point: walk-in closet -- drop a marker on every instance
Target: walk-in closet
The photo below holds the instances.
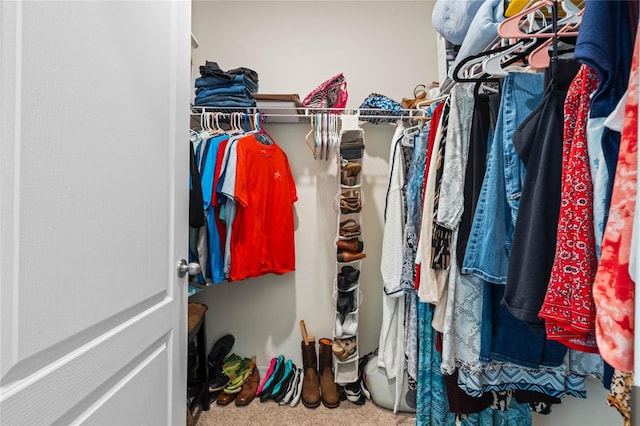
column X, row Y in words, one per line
column 393, row 58
column 392, row 212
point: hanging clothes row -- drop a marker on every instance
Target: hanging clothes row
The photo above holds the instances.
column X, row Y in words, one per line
column 248, row 194
column 520, row 284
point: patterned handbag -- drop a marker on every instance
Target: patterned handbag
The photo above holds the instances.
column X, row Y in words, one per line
column 330, row 94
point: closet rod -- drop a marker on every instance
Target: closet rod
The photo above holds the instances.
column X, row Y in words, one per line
column 308, row 112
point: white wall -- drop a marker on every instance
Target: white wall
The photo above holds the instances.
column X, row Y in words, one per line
column 592, row 411
column 383, row 47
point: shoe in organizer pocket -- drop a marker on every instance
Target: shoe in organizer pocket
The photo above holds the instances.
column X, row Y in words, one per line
column 348, row 327
column 348, row 278
column 346, row 303
column 350, row 202
column 349, row 228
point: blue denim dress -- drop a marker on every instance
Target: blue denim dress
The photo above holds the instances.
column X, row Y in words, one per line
column 487, row 254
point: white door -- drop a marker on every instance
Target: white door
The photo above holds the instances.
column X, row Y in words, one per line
column 93, row 211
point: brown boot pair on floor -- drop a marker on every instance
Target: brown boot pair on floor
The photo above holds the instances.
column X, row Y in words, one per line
column 318, row 376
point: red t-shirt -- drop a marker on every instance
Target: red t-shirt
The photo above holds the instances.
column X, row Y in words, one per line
column 262, row 239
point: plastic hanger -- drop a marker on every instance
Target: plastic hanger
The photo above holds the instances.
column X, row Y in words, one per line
column 410, row 132
column 331, row 136
column 205, row 134
column 238, row 122
column 463, row 70
column 335, row 141
column 329, row 145
column 326, row 142
column 539, row 58
column 246, row 124
column 203, row 125
column 510, row 27
column 485, row 88
column 216, row 121
column 260, row 132
column 230, row 130
column 211, row 128
column 493, row 64
column 194, row 137
column 327, row 136
column 429, row 102
column 323, row 135
column 245, row 121
column 408, row 139
column 209, row 123
column 234, row 126
column 318, row 134
column 205, row 122
column 422, row 107
column 470, row 68
column 311, row 132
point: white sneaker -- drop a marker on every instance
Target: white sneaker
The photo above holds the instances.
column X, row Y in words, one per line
column 348, row 328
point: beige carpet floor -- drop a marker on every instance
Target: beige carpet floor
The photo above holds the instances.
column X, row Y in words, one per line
column 269, row 413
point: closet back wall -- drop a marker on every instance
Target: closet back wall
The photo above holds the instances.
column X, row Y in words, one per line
column 383, row 47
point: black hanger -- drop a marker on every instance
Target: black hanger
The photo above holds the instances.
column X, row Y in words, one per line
column 520, row 56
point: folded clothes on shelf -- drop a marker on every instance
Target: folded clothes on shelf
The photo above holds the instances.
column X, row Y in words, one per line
column 228, row 101
column 225, row 89
column 234, row 89
column 214, row 82
column 213, row 69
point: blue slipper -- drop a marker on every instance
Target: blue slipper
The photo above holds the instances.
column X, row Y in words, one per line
column 277, row 389
column 275, row 377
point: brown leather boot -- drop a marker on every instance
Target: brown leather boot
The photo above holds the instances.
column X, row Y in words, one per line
column 349, row 256
column 352, row 245
column 310, row 384
column 330, row 396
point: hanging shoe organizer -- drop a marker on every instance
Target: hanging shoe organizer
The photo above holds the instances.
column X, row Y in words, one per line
column 350, row 251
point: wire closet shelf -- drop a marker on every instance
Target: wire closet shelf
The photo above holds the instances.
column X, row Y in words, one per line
column 298, row 114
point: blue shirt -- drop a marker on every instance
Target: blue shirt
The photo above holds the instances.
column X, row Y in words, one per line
column 209, row 156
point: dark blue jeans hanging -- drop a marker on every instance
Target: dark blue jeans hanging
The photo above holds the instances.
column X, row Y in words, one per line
column 508, row 339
